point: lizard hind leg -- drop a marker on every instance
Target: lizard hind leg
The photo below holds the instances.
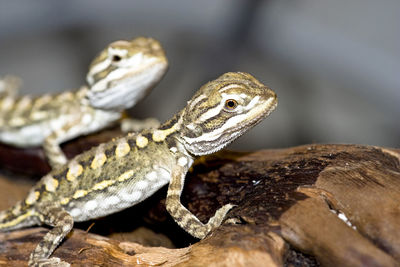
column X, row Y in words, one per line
column 52, row 215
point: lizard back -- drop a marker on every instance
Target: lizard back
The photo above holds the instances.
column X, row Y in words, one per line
column 108, row 178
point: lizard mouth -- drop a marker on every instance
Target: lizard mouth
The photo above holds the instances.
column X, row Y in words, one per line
column 234, row 133
column 269, row 107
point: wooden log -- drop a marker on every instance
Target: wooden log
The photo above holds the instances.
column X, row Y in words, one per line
column 335, row 205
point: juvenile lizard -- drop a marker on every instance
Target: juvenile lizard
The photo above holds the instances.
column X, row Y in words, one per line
column 120, row 76
column 126, row 171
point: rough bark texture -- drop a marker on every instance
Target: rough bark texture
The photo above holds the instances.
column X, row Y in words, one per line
column 330, row 205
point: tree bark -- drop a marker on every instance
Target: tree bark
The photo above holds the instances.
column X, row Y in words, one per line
column 330, row 205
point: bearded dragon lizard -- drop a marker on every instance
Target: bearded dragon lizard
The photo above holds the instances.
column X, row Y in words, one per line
column 123, row 172
column 120, row 76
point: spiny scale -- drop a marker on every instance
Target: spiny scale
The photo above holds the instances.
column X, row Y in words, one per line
column 120, row 76
column 123, row 172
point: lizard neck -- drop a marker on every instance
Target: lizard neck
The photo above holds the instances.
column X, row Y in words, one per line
column 170, row 132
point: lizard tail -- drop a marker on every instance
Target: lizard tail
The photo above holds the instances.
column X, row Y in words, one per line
column 18, row 216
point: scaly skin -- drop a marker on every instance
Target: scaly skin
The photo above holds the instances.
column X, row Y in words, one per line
column 124, row 172
column 120, row 76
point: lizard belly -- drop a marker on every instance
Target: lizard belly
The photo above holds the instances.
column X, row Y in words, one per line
column 34, row 134
column 90, row 121
column 117, row 198
column 99, row 120
column 29, row 135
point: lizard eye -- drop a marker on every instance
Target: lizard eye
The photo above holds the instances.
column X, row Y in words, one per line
column 231, row 104
column 116, row 58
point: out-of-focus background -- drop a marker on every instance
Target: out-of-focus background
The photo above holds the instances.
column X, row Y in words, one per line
column 334, row 64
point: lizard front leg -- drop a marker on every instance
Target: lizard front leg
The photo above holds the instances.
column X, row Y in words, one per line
column 52, row 149
column 187, row 220
column 53, row 215
column 51, row 144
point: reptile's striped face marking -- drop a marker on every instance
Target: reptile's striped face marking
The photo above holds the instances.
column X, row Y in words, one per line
column 224, row 109
column 140, row 62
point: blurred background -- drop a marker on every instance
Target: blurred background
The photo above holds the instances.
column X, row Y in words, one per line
column 335, row 65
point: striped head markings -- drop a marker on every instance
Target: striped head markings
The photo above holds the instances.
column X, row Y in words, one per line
column 124, row 72
column 224, row 109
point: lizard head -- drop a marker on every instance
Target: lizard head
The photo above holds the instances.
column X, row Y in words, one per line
column 222, row 110
column 124, row 73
